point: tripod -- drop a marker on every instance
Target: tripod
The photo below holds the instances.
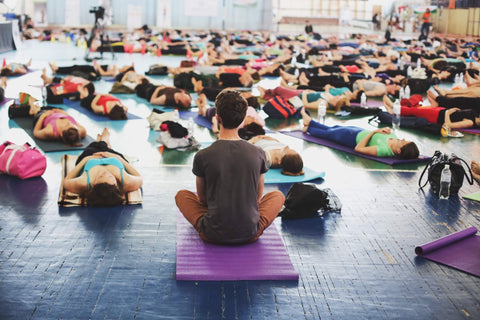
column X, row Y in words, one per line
column 104, row 41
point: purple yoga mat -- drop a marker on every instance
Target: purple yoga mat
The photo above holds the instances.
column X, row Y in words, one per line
column 472, row 131
column 460, row 250
column 324, row 142
column 370, row 104
column 5, row 100
column 265, row 259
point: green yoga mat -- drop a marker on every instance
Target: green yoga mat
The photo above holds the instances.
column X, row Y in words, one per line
column 473, row 196
column 50, row 146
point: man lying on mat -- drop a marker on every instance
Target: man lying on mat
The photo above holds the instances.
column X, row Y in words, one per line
column 102, row 174
column 48, row 123
column 228, row 207
column 377, row 143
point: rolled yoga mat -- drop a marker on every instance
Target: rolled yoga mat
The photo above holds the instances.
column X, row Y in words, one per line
column 324, row 142
column 460, row 250
column 370, row 104
column 265, row 259
column 50, row 146
column 75, row 104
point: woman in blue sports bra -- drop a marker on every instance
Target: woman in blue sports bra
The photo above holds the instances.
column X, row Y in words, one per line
column 102, row 175
column 14, row 68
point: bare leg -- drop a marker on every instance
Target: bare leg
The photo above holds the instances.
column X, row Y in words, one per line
column 262, row 91
column 3, row 83
column 104, row 136
column 202, row 105
column 306, row 119
column 388, row 104
column 46, row 79
column 432, row 98
column 476, row 170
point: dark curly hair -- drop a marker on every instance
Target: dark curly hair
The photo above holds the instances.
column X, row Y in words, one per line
column 231, row 107
column 117, row 113
column 70, row 136
column 104, row 195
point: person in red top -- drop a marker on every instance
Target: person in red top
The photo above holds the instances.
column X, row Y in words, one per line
column 425, row 29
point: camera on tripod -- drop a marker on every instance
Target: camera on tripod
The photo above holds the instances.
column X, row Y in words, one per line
column 98, row 11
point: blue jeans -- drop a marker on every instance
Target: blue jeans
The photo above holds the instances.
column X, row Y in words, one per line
column 425, row 29
column 344, row 135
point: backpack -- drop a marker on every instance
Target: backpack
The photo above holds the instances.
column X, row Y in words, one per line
column 157, row 70
column 280, row 108
column 435, row 167
column 305, row 200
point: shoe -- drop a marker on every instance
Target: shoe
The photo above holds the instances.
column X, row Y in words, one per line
column 447, row 132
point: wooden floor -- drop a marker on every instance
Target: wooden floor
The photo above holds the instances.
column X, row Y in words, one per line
column 119, row 263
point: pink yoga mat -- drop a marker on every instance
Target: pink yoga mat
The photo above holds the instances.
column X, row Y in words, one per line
column 370, row 104
column 265, row 259
column 460, row 250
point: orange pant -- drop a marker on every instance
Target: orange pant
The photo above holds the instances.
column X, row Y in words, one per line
column 193, row 210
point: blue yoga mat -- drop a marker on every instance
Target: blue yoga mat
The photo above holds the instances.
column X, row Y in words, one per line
column 324, row 142
column 276, row 176
column 92, row 115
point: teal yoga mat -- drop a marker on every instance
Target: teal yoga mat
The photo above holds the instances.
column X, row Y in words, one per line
column 50, row 146
column 276, row 176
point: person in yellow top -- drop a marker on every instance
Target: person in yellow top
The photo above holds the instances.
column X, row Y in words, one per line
column 425, row 29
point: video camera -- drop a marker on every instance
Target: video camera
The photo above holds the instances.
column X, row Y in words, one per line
column 98, row 11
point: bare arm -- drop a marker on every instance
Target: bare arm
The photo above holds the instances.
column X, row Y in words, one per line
column 261, row 182
column 201, row 190
column 362, row 147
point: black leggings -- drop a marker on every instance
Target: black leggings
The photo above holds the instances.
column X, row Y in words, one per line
column 97, row 146
column 459, row 102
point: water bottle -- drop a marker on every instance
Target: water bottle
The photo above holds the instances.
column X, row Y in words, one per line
column 407, row 92
column 419, row 63
column 297, row 72
column 456, row 80
column 401, row 93
column 176, row 115
column 363, row 100
column 294, row 60
column 445, row 180
column 44, row 96
column 190, row 126
column 322, row 111
column 396, row 114
column 409, row 72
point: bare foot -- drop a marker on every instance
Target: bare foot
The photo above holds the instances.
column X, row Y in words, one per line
column 306, row 119
column 303, row 80
column 53, row 67
column 202, row 104
column 3, row 82
column 262, row 91
column 475, row 170
column 105, row 136
column 388, row 104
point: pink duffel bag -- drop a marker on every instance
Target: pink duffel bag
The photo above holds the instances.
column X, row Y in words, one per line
column 21, row 161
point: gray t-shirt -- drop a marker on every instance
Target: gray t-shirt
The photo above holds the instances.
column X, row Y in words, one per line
column 232, row 171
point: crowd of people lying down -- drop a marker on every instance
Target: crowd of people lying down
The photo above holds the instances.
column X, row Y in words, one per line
column 223, row 69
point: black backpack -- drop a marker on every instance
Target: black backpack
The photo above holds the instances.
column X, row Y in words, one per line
column 157, row 70
column 305, row 200
column 435, row 167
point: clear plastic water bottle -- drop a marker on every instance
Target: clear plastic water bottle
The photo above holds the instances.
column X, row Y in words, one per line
column 409, row 72
column 396, row 114
column 322, row 111
column 363, row 100
column 401, row 93
column 407, row 92
column 456, row 79
column 176, row 115
column 419, row 63
column 44, row 96
column 445, row 180
column 297, row 72
column 294, row 60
